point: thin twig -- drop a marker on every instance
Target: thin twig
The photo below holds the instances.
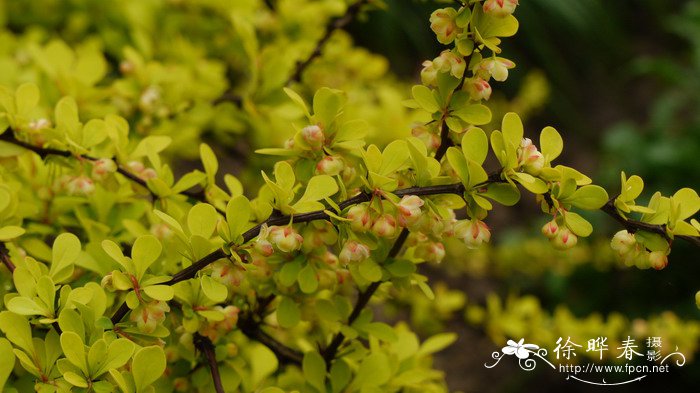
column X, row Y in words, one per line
column 333, row 25
column 205, row 346
column 5, row 257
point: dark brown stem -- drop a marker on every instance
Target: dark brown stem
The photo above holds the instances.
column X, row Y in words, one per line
column 333, row 25
column 205, row 346
column 44, row 152
column 5, row 257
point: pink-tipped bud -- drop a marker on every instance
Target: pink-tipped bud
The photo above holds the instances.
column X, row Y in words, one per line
column 550, row 229
column 384, row 226
column 479, row 89
column 443, row 23
column 330, row 165
column 103, row 167
column 409, row 210
column 500, row 8
column 473, row 232
column 450, row 62
column 329, row 258
column 623, row 242
column 530, row 158
column 287, row 239
column 497, row 67
column 361, row 219
column 658, row 259
column 353, row 251
column 564, row 240
column 430, row 139
column 264, row 247
column 81, row 185
column 313, row 136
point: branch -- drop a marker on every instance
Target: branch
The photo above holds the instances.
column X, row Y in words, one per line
column 333, row 25
column 634, row 225
column 205, row 346
column 44, row 152
column 5, row 257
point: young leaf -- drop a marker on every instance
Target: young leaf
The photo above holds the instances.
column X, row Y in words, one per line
column 475, row 145
column 288, row 313
column 578, row 224
column 145, row 251
column 314, row 368
column 551, row 143
column 148, row 365
column 74, row 349
column 425, row 98
column 201, row 220
column 589, row 197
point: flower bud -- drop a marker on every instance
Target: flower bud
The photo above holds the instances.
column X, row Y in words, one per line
column 313, row 136
column 430, row 139
column 564, row 240
column 106, row 282
column 148, row 316
column 430, row 251
column 497, row 67
column 264, row 247
column 353, row 251
column 149, row 98
column 473, row 232
column 409, row 210
column 500, row 8
column 450, row 62
column 658, row 259
column 428, row 75
column 329, row 258
column 227, row 274
column 623, row 242
column 39, row 124
column 551, row 229
column 361, row 220
column 285, row 238
column 529, row 157
column 103, row 167
column 81, row 185
column 443, row 23
column 479, row 89
column 330, row 165
column 384, row 226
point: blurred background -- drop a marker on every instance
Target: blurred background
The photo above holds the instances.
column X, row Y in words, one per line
column 620, row 80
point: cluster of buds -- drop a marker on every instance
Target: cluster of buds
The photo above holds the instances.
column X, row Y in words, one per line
column 561, row 237
column 500, row 8
column 478, row 89
column 353, row 251
column 443, row 22
column 447, row 62
column 330, row 165
column 140, row 170
column 214, row 329
column 313, row 136
column 531, row 160
column 148, row 315
column 472, row 232
column 495, row 67
column 102, row 168
column 286, row 238
column 632, row 253
column 408, row 214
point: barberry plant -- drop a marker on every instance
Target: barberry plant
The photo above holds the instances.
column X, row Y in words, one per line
column 121, row 276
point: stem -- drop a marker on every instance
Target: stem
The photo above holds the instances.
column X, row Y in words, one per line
column 205, row 346
column 333, row 25
column 44, row 152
